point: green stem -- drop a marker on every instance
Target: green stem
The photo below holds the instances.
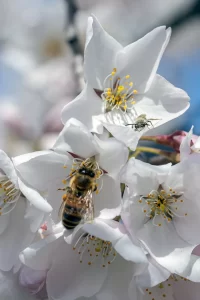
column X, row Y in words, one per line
column 171, row 156
column 148, row 138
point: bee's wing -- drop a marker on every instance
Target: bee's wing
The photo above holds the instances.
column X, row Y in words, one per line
column 61, row 210
column 88, row 214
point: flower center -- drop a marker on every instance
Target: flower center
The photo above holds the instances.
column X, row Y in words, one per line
column 9, row 196
column 118, row 92
column 159, row 205
column 93, row 249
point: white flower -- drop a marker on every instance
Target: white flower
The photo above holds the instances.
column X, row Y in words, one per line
column 99, row 261
column 123, row 92
column 50, row 170
column 161, row 209
column 22, row 211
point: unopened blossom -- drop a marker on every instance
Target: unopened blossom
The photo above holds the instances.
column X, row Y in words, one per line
column 161, row 209
column 172, row 140
column 123, row 93
column 91, row 264
column 22, row 211
column 50, row 171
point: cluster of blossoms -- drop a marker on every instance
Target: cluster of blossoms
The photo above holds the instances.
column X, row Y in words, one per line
column 88, row 220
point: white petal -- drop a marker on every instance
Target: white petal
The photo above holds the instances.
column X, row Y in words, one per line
column 54, row 198
column 187, row 225
column 161, row 291
column 20, row 159
column 175, row 178
column 192, row 271
column 8, row 168
column 165, row 246
column 75, row 279
column 116, row 285
column 10, row 288
column 152, row 275
column 39, row 256
column 186, row 290
column 16, row 237
column 100, row 51
column 115, row 232
column 185, row 149
column 77, row 139
column 35, row 216
column 32, row 280
column 107, row 204
column 140, row 60
column 129, row 251
column 34, row 197
column 196, row 146
column 132, row 214
column 107, row 230
column 163, row 101
column 44, row 168
column 83, row 108
column 143, row 177
column 124, row 134
column 112, row 155
column 4, row 221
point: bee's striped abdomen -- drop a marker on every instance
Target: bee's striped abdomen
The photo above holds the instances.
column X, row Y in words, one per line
column 71, row 216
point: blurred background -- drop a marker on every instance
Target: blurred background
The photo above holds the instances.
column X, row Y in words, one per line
column 41, row 56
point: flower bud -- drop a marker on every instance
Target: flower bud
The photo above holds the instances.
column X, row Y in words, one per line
column 172, row 140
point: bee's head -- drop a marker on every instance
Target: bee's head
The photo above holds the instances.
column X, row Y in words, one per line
column 84, row 177
column 87, row 172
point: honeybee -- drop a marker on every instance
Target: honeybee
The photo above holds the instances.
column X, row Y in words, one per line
column 142, row 122
column 78, row 200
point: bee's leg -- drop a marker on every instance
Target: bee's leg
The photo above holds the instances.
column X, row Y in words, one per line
column 94, row 187
column 149, row 122
column 132, row 125
column 68, row 189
